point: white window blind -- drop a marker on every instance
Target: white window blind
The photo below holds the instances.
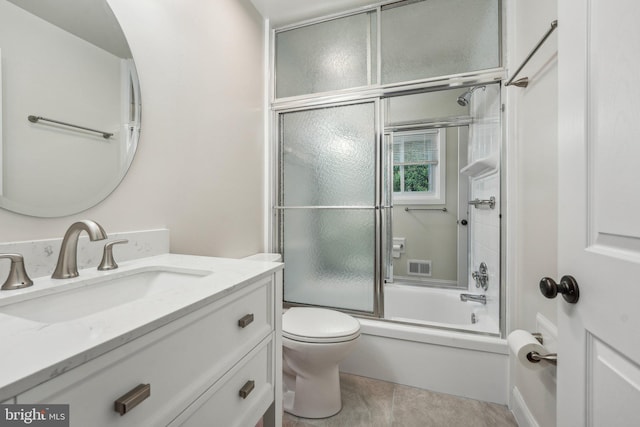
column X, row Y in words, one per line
column 415, row 149
column 419, row 166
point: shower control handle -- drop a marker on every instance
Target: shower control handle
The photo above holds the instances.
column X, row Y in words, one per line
column 568, row 287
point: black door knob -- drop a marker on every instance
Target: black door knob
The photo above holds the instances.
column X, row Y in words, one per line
column 568, row 287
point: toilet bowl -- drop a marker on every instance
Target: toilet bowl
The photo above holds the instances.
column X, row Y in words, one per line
column 315, row 341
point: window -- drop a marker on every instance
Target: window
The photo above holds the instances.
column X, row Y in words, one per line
column 412, row 35
column 403, row 41
column 326, row 56
column 419, row 167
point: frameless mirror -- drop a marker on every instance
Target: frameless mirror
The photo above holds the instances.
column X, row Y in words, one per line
column 70, row 104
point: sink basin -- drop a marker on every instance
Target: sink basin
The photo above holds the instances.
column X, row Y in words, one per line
column 86, row 297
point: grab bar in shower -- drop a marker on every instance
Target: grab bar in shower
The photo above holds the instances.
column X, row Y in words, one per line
column 524, row 82
column 407, row 209
column 36, row 119
column 477, row 203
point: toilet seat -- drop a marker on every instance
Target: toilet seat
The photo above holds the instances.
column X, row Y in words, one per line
column 319, row 325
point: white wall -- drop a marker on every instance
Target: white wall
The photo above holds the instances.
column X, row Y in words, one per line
column 533, row 140
column 199, row 166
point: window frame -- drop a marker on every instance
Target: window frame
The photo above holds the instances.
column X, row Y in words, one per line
column 438, row 195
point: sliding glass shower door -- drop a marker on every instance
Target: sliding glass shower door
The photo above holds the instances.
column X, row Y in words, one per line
column 327, row 205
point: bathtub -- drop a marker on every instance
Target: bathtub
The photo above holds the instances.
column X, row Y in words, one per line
column 437, row 307
column 431, row 355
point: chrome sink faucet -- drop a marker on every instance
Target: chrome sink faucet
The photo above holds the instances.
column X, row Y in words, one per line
column 67, row 266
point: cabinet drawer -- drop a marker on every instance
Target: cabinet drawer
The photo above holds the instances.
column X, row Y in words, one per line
column 223, row 406
column 179, row 360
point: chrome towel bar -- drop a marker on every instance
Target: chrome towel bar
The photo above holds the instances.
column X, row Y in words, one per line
column 407, row 209
column 36, row 119
column 524, row 82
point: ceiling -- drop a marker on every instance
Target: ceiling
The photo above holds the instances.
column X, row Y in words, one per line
column 86, row 20
column 91, row 20
column 282, row 12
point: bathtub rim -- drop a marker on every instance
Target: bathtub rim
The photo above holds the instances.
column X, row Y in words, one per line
column 451, row 296
column 447, row 337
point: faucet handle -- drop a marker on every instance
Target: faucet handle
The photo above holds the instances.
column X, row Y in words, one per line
column 18, row 277
column 108, row 263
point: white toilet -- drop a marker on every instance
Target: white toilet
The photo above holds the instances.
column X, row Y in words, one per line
column 315, row 341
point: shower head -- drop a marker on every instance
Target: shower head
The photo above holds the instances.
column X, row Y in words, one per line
column 463, row 100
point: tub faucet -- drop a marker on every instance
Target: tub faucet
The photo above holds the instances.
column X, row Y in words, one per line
column 481, row 276
column 482, row 299
column 67, row 266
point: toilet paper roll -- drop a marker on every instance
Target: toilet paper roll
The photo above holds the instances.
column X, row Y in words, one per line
column 397, row 247
column 522, row 343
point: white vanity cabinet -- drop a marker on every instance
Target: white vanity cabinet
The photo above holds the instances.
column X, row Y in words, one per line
column 197, row 367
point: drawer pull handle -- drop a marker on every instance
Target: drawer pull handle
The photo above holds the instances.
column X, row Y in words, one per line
column 245, row 321
column 130, row 400
column 247, row 388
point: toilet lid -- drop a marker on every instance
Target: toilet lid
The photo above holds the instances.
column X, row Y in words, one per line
column 309, row 324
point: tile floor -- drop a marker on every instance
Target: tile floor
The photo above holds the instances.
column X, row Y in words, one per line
column 372, row 403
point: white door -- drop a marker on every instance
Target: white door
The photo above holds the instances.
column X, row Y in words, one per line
column 599, row 214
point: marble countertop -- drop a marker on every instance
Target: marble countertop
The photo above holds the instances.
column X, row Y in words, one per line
column 33, row 351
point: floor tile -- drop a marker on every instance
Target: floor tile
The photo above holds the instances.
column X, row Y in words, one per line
column 423, row 408
column 372, row 403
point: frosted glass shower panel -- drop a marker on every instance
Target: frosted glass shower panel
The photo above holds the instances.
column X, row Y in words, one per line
column 433, row 38
column 326, row 56
column 328, row 156
column 329, row 255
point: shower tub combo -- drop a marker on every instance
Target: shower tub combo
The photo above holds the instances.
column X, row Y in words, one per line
column 426, row 145
column 457, row 358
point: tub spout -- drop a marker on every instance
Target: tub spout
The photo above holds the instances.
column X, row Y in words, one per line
column 482, row 299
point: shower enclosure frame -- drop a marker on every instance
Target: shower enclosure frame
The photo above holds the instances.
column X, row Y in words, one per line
column 383, row 211
column 363, row 94
column 378, row 207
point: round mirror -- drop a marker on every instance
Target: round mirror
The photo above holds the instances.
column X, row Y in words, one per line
column 70, row 104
